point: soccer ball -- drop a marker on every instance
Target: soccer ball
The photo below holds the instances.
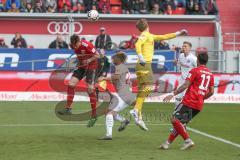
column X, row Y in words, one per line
column 93, row 15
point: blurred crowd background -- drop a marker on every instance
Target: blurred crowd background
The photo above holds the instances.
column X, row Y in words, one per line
column 156, row 7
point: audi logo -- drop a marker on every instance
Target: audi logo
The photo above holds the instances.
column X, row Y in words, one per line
column 64, row 27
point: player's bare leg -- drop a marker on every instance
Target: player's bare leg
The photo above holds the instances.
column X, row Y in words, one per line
column 70, row 95
column 93, row 102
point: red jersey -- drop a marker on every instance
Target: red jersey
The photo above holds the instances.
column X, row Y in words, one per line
column 85, row 52
column 201, row 80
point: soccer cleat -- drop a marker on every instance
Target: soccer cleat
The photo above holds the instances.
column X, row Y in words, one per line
column 91, row 122
column 165, row 146
column 65, row 111
column 134, row 113
column 123, row 125
column 187, row 144
column 106, row 138
column 142, row 125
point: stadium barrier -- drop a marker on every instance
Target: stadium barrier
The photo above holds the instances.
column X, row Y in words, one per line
column 34, row 86
column 52, row 59
column 25, row 75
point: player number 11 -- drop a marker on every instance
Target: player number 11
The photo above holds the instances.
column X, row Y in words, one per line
column 204, row 78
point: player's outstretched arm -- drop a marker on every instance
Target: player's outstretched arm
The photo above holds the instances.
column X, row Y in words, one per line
column 209, row 93
column 182, row 88
column 170, row 35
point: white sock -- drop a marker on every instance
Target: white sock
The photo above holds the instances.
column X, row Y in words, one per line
column 109, row 124
column 119, row 118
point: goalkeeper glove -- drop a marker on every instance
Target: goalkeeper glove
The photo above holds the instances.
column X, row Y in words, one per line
column 141, row 59
column 182, row 32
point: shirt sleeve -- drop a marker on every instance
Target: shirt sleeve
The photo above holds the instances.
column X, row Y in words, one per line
column 141, row 40
column 164, row 37
column 91, row 48
column 191, row 76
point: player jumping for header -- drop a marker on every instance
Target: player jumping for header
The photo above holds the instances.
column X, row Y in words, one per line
column 145, row 51
column 87, row 67
column 200, row 86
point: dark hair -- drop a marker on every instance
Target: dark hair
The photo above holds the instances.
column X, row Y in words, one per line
column 74, row 39
column 188, row 43
column 142, row 25
column 202, row 57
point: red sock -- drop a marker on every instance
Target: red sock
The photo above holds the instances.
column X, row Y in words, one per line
column 173, row 135
column 70, row 96
column 93, row 102
column 178, row 126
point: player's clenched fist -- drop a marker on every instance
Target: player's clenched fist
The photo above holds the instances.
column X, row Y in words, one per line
column 182, row 32
column 168, row 98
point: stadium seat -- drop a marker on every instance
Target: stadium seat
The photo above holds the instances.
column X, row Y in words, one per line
column 116, row 10
column 179, row 11
column 115, row 2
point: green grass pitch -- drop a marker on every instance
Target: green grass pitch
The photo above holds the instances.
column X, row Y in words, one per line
column 31, row 131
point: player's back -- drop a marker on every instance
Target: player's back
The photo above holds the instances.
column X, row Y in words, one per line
column 148, row 45
column 85, row 51
column 122, row 85
column 201, row 79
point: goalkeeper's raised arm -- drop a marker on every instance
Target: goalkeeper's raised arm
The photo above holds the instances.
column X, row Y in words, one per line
column 145, row 43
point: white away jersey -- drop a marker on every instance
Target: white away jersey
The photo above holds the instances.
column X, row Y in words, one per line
column 186, row 64
column 122, row 84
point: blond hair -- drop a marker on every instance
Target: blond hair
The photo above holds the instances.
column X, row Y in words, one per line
column 121, row 56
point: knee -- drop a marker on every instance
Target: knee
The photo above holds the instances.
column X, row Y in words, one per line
column 178, row 99
column 173, row 120
column 148, row 88
column 111, row 113
column 72, row 84
column 90, row 89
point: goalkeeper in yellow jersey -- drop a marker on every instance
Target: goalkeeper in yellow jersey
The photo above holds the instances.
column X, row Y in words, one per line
column 145, row 50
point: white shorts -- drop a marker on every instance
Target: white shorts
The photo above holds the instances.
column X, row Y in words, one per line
column 180, row 95
column 119, row 103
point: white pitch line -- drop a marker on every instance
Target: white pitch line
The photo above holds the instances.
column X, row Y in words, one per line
column 62, row 124
column 152, row 124
column 214, row 137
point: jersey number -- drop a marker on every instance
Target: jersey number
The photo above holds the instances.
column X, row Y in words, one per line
column 204, row 84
